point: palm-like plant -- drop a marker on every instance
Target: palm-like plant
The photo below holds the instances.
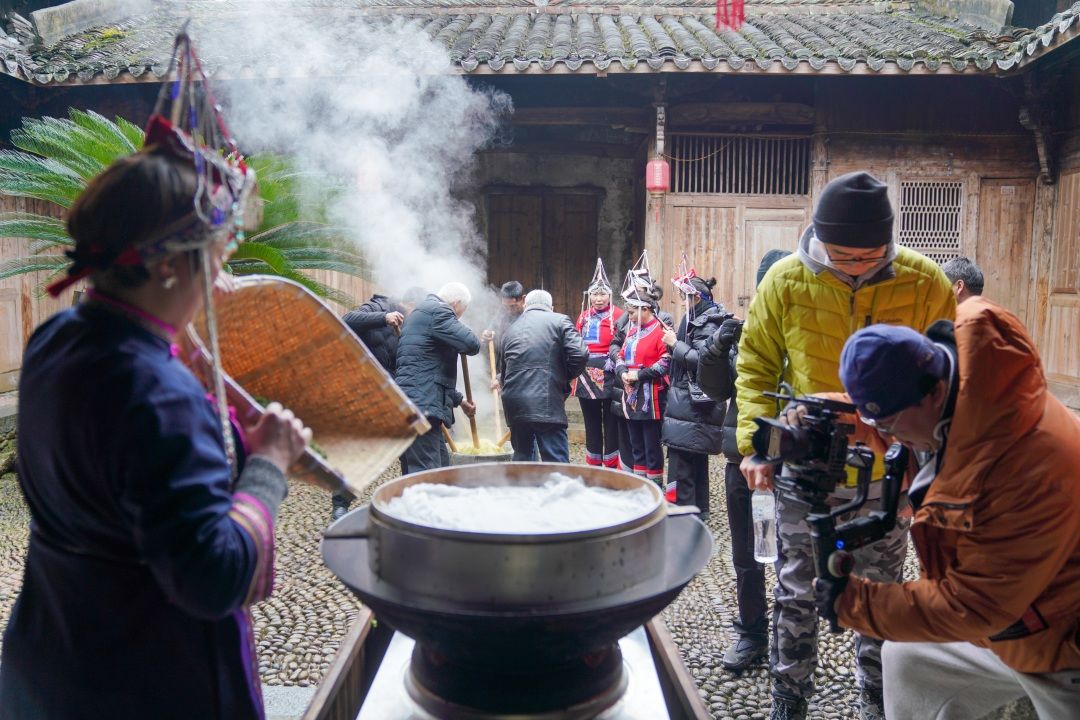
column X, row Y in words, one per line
column 56, row 157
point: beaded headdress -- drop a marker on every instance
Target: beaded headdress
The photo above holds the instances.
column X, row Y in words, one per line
column 637, row 288
column 186, row 124
column 684, row 275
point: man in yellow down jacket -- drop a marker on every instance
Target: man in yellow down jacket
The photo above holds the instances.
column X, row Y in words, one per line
column 996, row 613
column 848, row 273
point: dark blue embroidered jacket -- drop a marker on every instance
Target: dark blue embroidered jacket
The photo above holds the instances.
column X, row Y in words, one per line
column 141, row 561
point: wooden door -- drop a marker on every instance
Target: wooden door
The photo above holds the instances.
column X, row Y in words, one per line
column 545, row 238
column 708, row 236
column 725, row 237
column 1003, row 250
column 569, row 248
column 514, row 239
column 1059, row 295
column 764, row 229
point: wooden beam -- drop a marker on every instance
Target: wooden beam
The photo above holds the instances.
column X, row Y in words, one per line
column 339, row 694
column 600, row 150
column 671, row 669
column 610, row 116
column 757, row 113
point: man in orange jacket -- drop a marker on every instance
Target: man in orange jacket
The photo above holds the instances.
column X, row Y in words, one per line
column 996, row 613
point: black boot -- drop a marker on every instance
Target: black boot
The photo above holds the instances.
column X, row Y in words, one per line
column 339, row 506
column 786, row 708
column 744, row 652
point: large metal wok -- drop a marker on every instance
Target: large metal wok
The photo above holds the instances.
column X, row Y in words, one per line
column 515, row 601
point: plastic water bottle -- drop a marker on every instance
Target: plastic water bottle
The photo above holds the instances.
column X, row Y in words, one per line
column 763, row 511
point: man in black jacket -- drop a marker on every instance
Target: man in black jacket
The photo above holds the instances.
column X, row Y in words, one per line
column 427, row 362
column 378, row 324
column 541, row 353
column 512, row 304
column 716, row 376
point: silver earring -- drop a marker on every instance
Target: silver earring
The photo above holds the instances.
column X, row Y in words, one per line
column 169, row 282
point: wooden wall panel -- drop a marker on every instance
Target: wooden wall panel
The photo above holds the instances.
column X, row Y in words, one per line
column 1060, row 345
column 1061, row 354
column 24, row 306
column 1065, row 271
column 358, row 288
column 11, row 342
column 708, row 237
column 1003, row 246
column 765, row 230
column 725, row 236
column 1068, row 145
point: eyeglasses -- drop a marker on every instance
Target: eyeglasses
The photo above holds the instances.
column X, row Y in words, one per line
column 857, row 261
column 886, row 428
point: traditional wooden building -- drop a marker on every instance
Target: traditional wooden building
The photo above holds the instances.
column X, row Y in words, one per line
column 969, row 111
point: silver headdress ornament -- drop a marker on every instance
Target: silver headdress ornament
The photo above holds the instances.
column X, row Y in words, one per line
column 599, row 282
column 598, row 285
column 638, row 286
column 188, row 124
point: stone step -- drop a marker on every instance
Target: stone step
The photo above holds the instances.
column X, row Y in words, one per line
column 9, row 403
column 286, row 703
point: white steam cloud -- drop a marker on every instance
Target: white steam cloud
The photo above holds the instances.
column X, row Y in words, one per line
column 375, row 107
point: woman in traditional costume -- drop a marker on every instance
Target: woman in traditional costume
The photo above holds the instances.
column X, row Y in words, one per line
column 642, row 369
column 638, row 285
column 597, row 327
column 152, row 529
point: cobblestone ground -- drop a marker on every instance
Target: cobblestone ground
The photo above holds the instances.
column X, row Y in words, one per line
column 700, row 620
column 301, row 627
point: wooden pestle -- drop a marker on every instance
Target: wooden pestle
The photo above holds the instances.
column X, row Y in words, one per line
column 469, row 397
column 495, row 391
column 449, row 439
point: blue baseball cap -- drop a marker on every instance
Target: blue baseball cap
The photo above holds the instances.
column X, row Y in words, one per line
column 886, row 368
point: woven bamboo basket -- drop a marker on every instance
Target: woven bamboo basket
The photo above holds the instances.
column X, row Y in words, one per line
column 280, row 342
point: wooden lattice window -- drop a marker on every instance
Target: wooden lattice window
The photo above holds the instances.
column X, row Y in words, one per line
column 739, row 164
column 930, row 217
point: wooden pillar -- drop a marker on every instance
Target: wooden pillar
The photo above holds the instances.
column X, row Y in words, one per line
column 655, row 220
column 819, row 150
column 1042, row 251
column 654, row 216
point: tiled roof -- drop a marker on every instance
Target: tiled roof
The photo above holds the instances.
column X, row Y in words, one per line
column 485, row 36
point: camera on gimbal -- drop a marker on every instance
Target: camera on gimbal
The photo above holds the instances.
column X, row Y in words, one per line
column 817, row 455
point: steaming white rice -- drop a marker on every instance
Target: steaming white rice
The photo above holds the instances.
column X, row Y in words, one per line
column 562, row 504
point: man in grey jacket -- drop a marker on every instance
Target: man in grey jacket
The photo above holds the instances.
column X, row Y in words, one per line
column 541, row 353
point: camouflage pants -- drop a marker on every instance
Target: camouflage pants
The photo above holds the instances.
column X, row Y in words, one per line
column 795, row 621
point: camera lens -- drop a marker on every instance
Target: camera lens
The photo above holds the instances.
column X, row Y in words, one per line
column 776, row 441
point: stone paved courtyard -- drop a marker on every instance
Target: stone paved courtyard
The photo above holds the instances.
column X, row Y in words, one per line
column 301, row 627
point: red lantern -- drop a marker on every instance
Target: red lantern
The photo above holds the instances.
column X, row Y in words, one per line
column 730, row 14
column 658, row 176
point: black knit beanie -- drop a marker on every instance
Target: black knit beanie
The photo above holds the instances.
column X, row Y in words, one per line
column 854, row 211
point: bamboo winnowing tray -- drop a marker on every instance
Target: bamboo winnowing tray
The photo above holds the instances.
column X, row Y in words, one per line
column 280, row 342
